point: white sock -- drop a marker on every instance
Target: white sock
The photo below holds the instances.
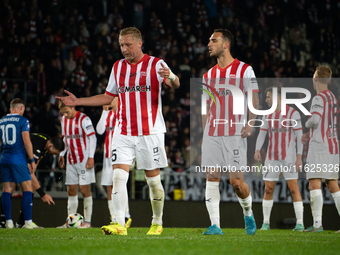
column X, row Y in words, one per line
column 110, row 205
column 212, row 202
column 10, row 222
column 316, row 203
column 267, row 206
column 127, row 211
column 298, row 208
column 28, row 222
column 246, row 205
column 88, row 202
column 157, row 198
column 72, row 204
column 119, row 197
column 336, row 197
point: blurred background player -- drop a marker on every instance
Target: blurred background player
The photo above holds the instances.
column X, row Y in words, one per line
column 15, row 143
column 226, row 144
column 42, row 145
column 282, row 150
column 80, row 144
column 323, row 153
column 139, row 134
column 107, row 124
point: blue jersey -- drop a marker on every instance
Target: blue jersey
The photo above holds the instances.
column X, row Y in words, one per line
column 12, row 146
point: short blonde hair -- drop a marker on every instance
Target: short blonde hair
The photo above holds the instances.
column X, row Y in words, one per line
column 61, row 105
column 133, row 31
column 15, row 103
column 324, row 74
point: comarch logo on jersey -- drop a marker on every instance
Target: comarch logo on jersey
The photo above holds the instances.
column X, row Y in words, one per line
column 239, row 104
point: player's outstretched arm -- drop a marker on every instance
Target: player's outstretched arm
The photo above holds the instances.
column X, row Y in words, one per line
column 36, row 187
column 47, row 199
column 98, row 100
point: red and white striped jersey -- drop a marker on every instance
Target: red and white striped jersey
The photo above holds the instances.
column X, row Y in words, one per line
column 237, row 74
column 281, row 129
column 107, row 125
column 324, row 137
column 76, row 132
column 139, row 89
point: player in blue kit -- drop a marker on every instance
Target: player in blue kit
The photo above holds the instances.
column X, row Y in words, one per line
column 15, row 143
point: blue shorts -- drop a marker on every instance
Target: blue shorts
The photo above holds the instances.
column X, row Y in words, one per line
column 17, row 173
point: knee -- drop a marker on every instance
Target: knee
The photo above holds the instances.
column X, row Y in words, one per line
column 85, row 191
column 236, row 184
column 268, row 190
column 153, row 181
column 294, row 190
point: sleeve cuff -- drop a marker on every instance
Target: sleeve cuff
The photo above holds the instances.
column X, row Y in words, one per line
column 316, row 113
column 253, row 91
column 114, row 95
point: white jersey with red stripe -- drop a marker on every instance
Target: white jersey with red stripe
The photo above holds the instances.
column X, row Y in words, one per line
column 280, row 128
column 76, row 132
column 139, row 89
column 109, row 130
column 237, row 74
column 324, row 137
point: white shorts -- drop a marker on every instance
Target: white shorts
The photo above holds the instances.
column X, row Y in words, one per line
column 78, row 174
column 322, row 166
column 107, row 172
column 227, row 152
column 148, row 150
column 273, row 168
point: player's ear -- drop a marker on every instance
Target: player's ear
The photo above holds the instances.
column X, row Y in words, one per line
column 226, row 45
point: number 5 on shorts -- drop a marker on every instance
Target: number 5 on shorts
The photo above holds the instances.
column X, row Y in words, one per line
column 114, row 155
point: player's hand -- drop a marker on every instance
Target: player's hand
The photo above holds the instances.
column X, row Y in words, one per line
column 257, row 155
column 305, row 138
column 298, row 163
column 61, row 162
column 70, row 100
column 246, row 131
column 33, row 167
column 90, row 163
column 164, row 72
column 48, row 199
column 106, row 107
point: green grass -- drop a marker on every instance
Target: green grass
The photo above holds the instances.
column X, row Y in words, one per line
column 172, row 241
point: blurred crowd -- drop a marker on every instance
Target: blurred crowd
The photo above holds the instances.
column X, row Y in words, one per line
column 47, row 46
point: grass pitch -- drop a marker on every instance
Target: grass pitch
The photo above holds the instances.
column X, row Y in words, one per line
column 172, row 241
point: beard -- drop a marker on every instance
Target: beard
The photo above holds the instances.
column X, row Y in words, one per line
column 217, row 53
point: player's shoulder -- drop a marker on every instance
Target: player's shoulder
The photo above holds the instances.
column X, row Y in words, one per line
column 293, row 112
column 246, row 67
column 83, row 115
column 156, row 59
column 318, row 98
column 208, row 73
column 22, row 119
column 40, row 136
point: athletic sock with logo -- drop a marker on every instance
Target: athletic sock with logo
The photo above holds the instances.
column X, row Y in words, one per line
column 157, row 198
